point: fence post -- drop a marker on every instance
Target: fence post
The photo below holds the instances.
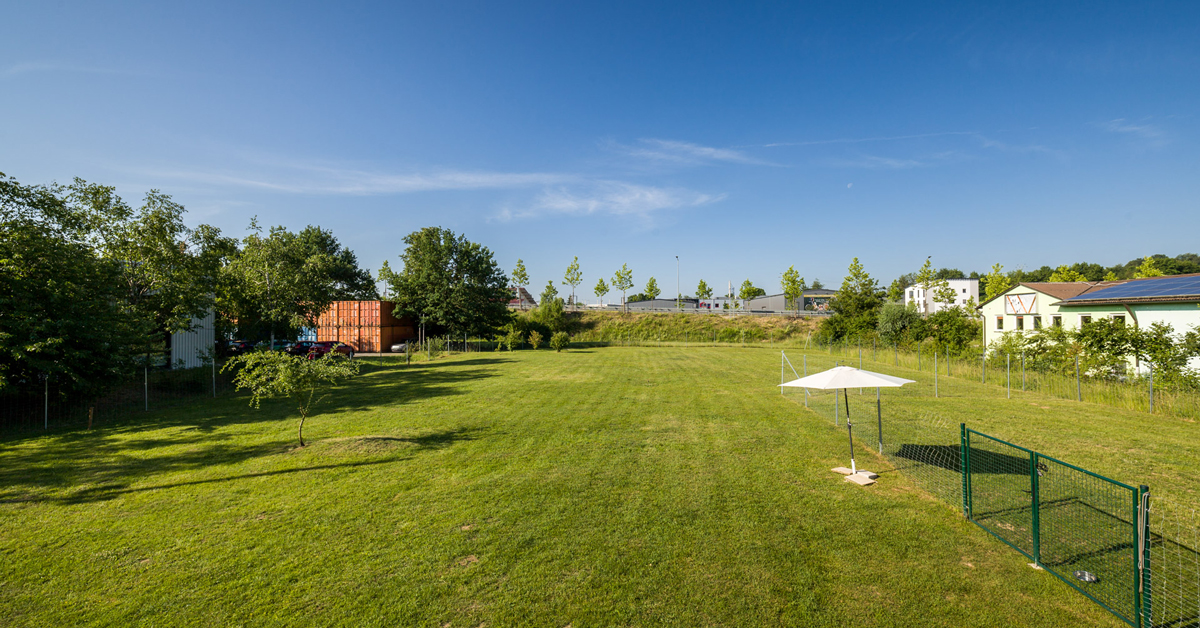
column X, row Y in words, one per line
column 146, row 385
column 1008, row 372
column 918, row 356
column 1022, row 371
column 879, row 417
column 1143, row 600
column 935, row 374
column 214, row 374
column 983, row 366
column 806, row 375
column 1034, row 491
column 46, row 403
column 1079, row 390
column 781, row 359
column 964, row 462
column 1151, row 390
column 874, row 349
column 895, row 354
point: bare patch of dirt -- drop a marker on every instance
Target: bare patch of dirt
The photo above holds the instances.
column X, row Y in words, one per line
column 467, row 560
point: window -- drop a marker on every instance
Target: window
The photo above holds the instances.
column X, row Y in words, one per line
column 1020, row 322
column 964, row 291
column 1000, row 322
column 1037, row 322
column 910, row 294
column 1084, row 319
column 1056, row 321
column 1120, row 318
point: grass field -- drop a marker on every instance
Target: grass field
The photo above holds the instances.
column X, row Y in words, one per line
column 614, row 486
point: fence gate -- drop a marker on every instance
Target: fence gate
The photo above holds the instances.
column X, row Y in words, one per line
column 1086, row 529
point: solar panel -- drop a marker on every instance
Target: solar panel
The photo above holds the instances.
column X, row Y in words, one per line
column 1157, row 287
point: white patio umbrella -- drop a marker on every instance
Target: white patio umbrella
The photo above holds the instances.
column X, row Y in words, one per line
column 848, row 377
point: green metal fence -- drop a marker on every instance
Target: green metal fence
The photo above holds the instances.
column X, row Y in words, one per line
column 1088, row 530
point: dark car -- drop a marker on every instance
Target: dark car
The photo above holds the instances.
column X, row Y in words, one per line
column 319, row 348
column 280, row 345
column 238, row 347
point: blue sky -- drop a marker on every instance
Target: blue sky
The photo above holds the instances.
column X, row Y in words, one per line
column 742, row 137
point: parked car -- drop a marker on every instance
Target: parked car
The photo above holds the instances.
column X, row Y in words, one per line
column 280, row 345
column 400, row 347
column 238, row 347
column 313, row 350
column 301, row 348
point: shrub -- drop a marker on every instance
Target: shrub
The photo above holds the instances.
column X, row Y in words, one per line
column 559, row 341
column 434, row 347
column 535, row 339
column 514, row 339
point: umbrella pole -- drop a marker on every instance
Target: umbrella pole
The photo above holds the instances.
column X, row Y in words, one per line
column 850, row 432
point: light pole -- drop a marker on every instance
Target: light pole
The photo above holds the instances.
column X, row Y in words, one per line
column 678, row 294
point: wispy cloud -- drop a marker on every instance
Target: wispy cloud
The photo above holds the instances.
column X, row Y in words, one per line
column 1148, row 134
column 875, row 162
column 339, row 181
column 685, row 153
column 617, row 198
column 861, row 140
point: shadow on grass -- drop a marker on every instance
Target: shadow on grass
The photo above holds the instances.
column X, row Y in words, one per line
column 983, row 462
column 109, row 472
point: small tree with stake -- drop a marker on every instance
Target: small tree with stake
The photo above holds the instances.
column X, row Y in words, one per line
column 274, row 374
column 623, row 281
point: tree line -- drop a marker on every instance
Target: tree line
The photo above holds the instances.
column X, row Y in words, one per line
column 93, row 287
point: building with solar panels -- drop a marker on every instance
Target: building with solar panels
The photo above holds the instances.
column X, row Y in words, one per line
column 1173, row 300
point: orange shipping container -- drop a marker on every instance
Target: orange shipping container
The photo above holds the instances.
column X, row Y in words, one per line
column 368, row 326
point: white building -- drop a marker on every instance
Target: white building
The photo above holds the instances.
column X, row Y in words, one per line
column 192, row 348
column 965, row 291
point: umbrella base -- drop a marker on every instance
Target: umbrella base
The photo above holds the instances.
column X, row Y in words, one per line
column 842, row 470
column 860, row 479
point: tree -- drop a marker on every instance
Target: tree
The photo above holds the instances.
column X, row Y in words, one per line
column 856, row 304
column 62, row 308
column 895, row 292
column 535, row 339
column 559, row 341
column 601, row 289
column 451, row 282
column 273, row 374
column 549, row 293
column 1110, row 276
column 651, row 290
column 793, row 287
column 817, row 285
column 1148, row 268
column 623, row 281
column 1065, row 273
column 388, row 278
column 278, row 282
column 949, row 273
column 943, row 293
column 348, row 281
column 926, row 279
column 749, row 291
column 160, row 276
column 573, row 278
column 520, row 278
column 995, row 283
column 898, row 322
column 703, row 291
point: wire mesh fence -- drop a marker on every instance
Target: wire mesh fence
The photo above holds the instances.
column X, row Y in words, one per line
column 1173, row 558
column 1139, row 558
column 52, row 403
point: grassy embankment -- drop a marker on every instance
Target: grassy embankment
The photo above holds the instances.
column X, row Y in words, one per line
column 615, row 486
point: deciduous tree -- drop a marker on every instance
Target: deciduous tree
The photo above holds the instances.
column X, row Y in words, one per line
column 651, row 290
column 793, row 287
column 623, row 280
column 573, row 278
column 451, row 282
column 520, row 278
column 272, row 374
column 703, row 291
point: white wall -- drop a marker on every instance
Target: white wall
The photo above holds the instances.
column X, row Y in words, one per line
column 189, row 347
column 964, row 291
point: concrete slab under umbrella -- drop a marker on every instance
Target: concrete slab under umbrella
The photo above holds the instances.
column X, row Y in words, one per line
column 845, row 377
